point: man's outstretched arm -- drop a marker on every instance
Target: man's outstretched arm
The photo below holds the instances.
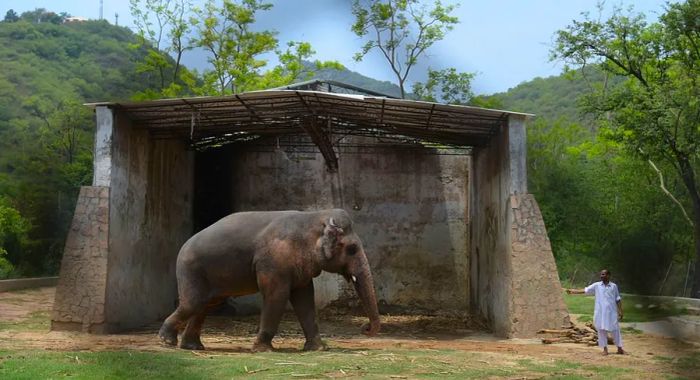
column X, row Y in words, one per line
column 575, row 291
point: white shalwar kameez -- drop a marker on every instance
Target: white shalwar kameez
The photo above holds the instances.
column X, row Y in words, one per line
column 605, row 311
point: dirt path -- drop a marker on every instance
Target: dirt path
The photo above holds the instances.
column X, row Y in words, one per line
column 651, row 354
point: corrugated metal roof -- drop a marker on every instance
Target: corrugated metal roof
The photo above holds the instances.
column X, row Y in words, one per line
column 255, row 115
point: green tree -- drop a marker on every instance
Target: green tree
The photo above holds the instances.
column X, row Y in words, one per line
column 13, row 235
column 402, row 30
column 40, row 15
column 235, row 49
column 11, row 16
column 445, row 86
column 236, row 52
column 162, row 27
column 294, row 66
column 602, row 207
column 67, row 131
column 655, row 112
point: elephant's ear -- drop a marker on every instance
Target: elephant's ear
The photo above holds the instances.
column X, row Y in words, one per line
column 331, row 233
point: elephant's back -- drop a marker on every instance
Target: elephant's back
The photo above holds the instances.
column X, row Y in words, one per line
column 234, row 235
column 223, row 254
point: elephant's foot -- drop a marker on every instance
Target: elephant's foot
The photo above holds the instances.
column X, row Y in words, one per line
column 168, row 336
column 263, row 342
column 262, row 347
column 191, row 344
column 315, row 344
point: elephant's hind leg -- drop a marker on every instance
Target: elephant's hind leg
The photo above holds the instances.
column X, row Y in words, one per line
column 191, row 338
column 193, row 299
column 302, row 300
column 168, row 332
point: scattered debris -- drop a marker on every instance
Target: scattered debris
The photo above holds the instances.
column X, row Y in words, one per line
column 245, row 367
column 573, row 334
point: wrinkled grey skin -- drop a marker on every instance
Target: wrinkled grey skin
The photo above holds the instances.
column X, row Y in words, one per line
column 277, row 253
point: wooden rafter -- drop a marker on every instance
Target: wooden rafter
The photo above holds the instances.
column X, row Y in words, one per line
column 321, row 140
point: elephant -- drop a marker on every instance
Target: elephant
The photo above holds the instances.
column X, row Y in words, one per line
column 276, row 253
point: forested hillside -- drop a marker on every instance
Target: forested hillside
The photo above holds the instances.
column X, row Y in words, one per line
column 554, row 97
column 603, row 207
column 48, row 71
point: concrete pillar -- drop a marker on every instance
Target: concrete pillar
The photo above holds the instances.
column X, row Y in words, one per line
column 80, row 294
column 517, row 152
column 514, row 280
column 102, row 161
column 118, row 267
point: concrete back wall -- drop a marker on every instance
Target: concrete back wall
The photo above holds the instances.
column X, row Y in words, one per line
column 410, row 208
column 150, row 218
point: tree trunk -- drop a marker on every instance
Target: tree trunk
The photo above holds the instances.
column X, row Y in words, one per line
column 688, row 176
column 695, row 289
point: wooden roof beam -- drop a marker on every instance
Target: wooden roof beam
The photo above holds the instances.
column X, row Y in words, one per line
column 319, row 137
column 322, row 141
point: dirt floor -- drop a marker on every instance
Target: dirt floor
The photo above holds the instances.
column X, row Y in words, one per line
column 339, row 330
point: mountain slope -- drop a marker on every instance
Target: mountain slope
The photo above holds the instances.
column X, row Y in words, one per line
column 553, row 97
column 48, row 72
column 91, row 60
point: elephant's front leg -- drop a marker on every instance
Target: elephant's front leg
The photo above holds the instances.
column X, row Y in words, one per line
column 275, row 294
column 302, row 300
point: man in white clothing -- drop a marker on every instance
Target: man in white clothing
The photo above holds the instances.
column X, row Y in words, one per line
column 607, row 311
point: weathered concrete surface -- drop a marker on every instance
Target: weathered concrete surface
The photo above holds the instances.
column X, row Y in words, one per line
column 102, row 161
column 150, row 218
column 490, row 260
column 80, row 293
column 410, row 209
column 27, row 283
column 514, row 281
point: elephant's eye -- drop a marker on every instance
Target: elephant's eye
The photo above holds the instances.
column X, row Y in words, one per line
column 351, row 249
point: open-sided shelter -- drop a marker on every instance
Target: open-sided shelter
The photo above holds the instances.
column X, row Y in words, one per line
column 438, row 193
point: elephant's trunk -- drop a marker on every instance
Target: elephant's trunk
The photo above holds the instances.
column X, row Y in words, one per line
column 362, row 280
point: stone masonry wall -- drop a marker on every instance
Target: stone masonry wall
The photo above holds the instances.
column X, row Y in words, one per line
column 537, row 300
column 80, row 293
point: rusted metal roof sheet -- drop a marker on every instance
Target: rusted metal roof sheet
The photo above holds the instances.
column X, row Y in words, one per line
column 256, row 115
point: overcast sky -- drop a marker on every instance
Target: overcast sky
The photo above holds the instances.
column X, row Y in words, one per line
column 505, row 42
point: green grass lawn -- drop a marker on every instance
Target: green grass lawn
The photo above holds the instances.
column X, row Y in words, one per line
column 37, row 321
column 635, row 308
column 371, row 364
